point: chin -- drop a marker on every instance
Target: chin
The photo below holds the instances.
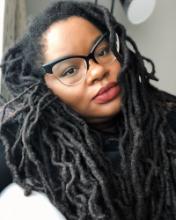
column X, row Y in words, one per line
column 107, row 110
column 112, row 107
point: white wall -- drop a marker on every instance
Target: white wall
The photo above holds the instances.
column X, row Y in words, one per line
column 156, row 37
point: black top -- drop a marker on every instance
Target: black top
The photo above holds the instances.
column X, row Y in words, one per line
column 5, row 176
column 109, row 146
column 111, row 141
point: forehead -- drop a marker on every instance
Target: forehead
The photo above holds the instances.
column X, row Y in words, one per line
column 71, row 36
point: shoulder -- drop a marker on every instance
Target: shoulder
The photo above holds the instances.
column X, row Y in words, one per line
column 14, row 205
column 171, row 117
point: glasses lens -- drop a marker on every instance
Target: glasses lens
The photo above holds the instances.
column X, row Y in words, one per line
column 103, row 53
column 70, row 71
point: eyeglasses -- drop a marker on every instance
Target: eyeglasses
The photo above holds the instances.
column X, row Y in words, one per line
column 71, row 70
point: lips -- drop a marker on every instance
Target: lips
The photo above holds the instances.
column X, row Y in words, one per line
column 105, row 88
column 107, row 93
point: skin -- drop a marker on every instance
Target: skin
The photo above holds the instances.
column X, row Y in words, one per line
column 65, row 37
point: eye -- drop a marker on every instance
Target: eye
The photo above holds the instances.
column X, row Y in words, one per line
column 103, row 52
column 70, row 71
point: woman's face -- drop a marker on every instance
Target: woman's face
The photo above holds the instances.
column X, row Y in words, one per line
column 75, row 36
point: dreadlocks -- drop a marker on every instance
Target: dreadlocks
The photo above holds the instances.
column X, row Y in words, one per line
column 51, row 149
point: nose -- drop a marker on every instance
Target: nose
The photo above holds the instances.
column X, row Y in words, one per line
column 96, row 72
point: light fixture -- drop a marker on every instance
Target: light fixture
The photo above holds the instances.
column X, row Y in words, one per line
column 138, row 10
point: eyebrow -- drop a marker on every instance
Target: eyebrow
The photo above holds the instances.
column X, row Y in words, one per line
column 95, row 41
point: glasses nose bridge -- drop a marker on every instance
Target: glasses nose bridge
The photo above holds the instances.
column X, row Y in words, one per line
column 89, row 57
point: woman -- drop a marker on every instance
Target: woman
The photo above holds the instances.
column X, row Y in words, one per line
column 91, row 133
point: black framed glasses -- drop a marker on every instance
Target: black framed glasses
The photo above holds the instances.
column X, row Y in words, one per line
column 71, row 70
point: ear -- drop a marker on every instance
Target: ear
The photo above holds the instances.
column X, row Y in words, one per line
column 48, row 77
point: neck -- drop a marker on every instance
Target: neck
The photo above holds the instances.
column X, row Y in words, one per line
column 105, row 125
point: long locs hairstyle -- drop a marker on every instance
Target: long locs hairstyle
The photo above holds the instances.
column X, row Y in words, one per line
column 50, row 148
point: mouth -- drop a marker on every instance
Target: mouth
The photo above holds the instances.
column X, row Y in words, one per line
column 107, row 93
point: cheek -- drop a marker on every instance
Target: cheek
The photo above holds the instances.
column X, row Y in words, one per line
column 116, row 68
column 74, row 97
